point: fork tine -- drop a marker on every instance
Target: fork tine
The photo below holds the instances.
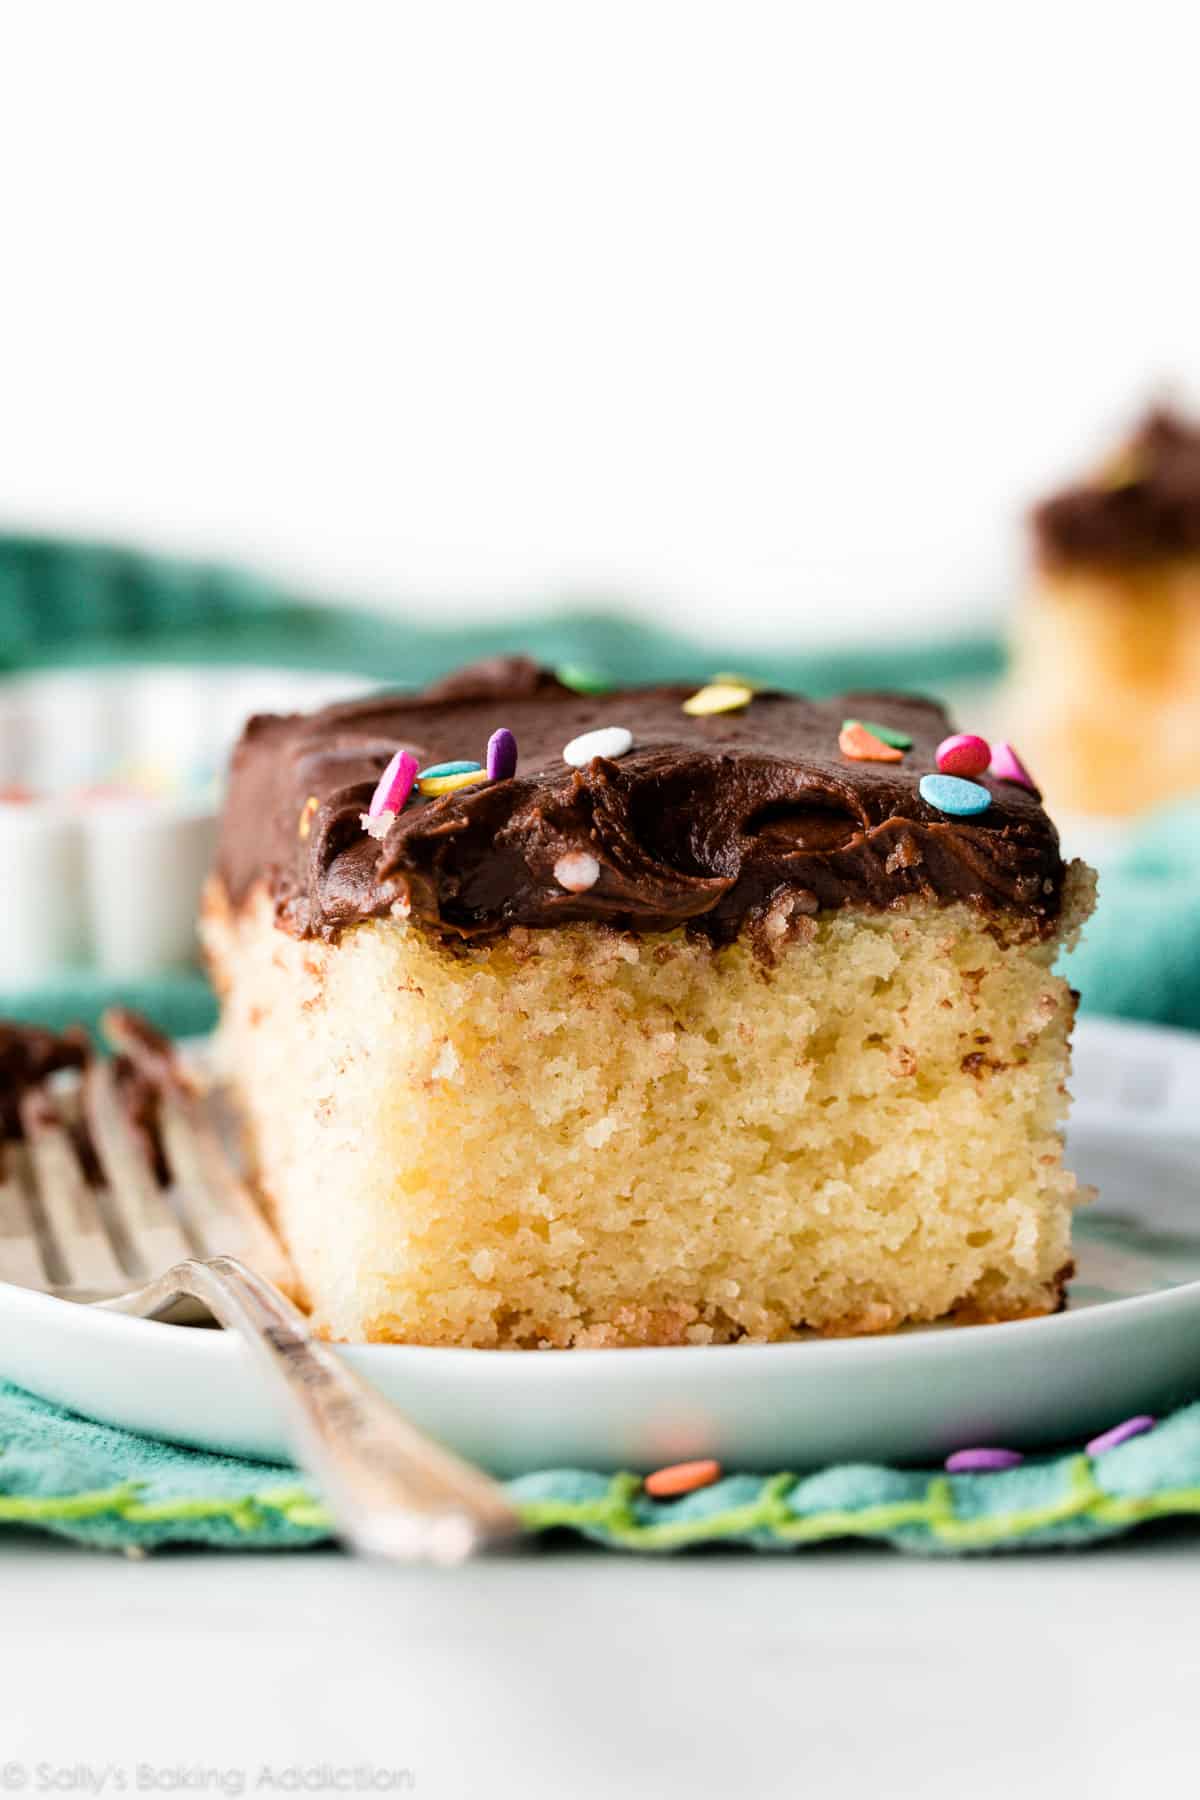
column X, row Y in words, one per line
column 218, row 1208
column 21, row 1259
column 74, row 1225
column 152, row 1233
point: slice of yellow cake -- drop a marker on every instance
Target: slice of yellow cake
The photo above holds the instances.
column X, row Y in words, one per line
column 1106, row 689
column 704, row 1030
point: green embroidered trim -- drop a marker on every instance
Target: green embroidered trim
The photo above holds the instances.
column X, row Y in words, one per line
column 294, row 1505
column 768, row 1514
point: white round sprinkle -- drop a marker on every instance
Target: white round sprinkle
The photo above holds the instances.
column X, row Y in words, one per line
column 577, row 871
column 380, row 825
column 610, row 741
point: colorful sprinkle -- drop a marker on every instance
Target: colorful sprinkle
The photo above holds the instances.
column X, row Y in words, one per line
column 610, row 741
column 963, row 754
column 982, row 1462
column 448, row 768
column 1007, row 766
column 577, row 871
column 734, row 678
column 17, row 794
column 308, row 813
column 950, row 794
column 395, row 785
column 682, row 1478
column 887, row 734
column 861, row 745
column 501, row 755
column 1121, row 1434
column 390, row 796
column 448, row 777
column 433, row 785
column 718, row 697
column 582, row 680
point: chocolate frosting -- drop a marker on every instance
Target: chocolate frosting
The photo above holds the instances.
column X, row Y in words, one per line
column 1144, row 503
column 742, row 820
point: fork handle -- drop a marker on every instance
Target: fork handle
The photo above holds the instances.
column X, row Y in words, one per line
column 393, row 1492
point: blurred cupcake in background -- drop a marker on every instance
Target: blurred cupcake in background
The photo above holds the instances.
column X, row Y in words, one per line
column 1107, row 654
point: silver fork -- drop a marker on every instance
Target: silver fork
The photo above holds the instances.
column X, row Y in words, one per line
column 392, row 1491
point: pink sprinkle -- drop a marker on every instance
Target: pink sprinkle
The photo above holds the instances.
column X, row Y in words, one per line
column 982, row 1462
column 501, row 755
column 395, row 785
column 1121, row 1434
column 964, row 754
column 1007, row 766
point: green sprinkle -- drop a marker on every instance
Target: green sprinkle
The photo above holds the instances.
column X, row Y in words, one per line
column 582, row 680
column 899, row 740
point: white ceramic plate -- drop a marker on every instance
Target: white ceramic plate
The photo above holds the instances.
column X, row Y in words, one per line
column 1130, row 1341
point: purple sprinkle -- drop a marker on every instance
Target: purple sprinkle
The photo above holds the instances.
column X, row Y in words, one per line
column 1120, row 1434
column 501, row 755
column 982, row 1462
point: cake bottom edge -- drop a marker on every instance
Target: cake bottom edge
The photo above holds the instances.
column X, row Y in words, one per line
column 633, row 1327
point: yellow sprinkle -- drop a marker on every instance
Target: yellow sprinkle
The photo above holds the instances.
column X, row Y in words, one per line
column 307, row 814
column 718, row 697
column 448, row 784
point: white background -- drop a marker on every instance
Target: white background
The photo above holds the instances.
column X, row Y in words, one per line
column 839, row 1674
column 756, row 316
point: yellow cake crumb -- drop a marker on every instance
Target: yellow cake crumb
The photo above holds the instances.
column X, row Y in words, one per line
column 578, row 1137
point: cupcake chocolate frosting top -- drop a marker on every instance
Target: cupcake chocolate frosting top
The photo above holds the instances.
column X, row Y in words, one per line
column 718, row 823
column 1143, row 504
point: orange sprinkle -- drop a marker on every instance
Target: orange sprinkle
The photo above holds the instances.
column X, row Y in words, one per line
column 682, row 1478
column 307, row 814
column 861, row 745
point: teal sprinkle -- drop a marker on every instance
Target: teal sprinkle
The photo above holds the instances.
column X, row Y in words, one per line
column 951, row 794
column 450, row 768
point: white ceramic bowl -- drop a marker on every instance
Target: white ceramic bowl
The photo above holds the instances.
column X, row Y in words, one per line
column 111, row 881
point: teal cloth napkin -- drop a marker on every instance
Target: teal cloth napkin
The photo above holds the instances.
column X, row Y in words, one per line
column 1140, row 955
column 112, row 1490
column 64, row 603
